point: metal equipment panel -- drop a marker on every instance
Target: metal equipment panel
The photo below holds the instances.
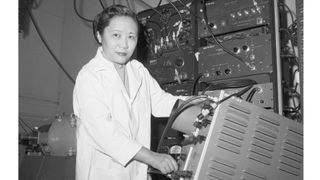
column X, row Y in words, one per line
column 245, row 141
column 225, row 16
column 253, row 46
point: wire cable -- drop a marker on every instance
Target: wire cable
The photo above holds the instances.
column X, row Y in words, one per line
column 175, row 113
column 289, row 10
column 176, row 9
column 288, row 32
column 23, row 128
column 78, row 14
column 291, row 42
column 21, row 120
column 186, row 104
column 48, row 48
column 194, row 86
column 101, row 3
column 35, row 4
column 179, row 26
column 159, row 3
column 43, row 159
column 251, row 93
column 151, row 7
column 191, row 12
column 238, row 94
column 219, row 44
column 229, row 84
column 175, row 82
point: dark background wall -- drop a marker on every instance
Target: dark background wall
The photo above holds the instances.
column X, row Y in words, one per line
column 44, row 89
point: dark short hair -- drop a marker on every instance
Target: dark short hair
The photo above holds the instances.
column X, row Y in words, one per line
column 102, row 19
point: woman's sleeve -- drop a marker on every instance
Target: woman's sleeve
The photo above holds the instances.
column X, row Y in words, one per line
column 96, row 120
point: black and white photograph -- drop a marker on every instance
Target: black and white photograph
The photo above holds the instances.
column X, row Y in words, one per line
column 160, row 90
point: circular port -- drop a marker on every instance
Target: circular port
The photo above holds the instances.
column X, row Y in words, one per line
column 236, row 50
column 179, row 62
column 245, row 48
column 227, row 71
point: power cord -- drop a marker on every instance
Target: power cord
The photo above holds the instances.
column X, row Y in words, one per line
column 101, row 3
column 229, row 84
column 175, row 113
column 194, row 87
column 78, row 14
column 48, row 48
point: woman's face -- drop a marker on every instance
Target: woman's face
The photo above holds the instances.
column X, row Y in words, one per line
column 119, row 39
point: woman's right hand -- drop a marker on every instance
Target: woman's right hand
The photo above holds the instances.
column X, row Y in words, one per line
column 164, row 163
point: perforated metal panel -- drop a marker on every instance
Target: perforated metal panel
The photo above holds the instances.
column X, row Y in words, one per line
column 245, row 141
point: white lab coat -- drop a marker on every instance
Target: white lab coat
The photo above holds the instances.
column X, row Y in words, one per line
column 114, row 126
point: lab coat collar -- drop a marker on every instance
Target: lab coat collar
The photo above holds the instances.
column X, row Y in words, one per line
column 135, row 80
column 100, row 63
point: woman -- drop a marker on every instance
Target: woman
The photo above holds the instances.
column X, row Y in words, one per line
column 114, row 98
